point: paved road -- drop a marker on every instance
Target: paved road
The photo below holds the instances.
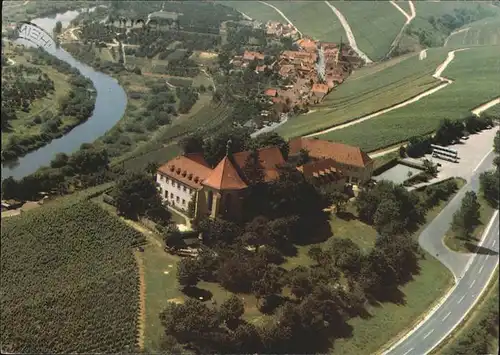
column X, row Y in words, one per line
column 472, row 273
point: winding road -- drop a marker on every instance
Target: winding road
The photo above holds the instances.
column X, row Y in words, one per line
column 282, row 15
column 472, row 274
column 348, row 31
column 437, row 75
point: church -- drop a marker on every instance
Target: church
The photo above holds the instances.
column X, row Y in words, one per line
column 189, row 184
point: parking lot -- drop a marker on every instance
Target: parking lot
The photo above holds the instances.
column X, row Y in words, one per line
column 471, row 152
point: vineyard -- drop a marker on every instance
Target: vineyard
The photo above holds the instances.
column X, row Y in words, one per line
column 69, row 280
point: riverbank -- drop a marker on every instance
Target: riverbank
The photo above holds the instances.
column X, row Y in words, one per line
column 63, row 100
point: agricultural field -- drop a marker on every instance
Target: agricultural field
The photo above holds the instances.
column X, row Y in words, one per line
column 494, row 111
column 368, row 90
column 255, row 10
column 312, row 18
column 375, row 25
column 70, row 281
column 474, row 84
column 479, row 33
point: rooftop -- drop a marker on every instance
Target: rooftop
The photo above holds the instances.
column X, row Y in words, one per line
column 341, row 153
column 225, row 177
column 270, row 158
column 190, row 169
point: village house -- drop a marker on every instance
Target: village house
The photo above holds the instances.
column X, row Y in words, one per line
column 352, row 162
column 277, row 29
column 320, row 90
column 249, row 56
column 219, row 191
column 307, row 45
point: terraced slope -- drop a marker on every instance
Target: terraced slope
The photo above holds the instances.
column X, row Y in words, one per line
column 375, row 24
column 479, row 33
column 313, row 18
column 368, row 90
column 255, row 10
column 475, row 73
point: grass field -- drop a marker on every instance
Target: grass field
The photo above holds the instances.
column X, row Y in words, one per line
column 375, row 25
column 255, row 10
column 468, row 245
column 369, row 89
column 474, row 84
column 69, row 281
column 479, row 33
column 494, row 111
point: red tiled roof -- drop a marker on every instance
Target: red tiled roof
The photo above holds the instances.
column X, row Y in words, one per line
column 248, row 55
column 260, row 68
column 341, row 153
column 307, row 43
column 225, row 177
column 188, row 170
column 271, row 92
column 270, row 158
column 320, row 168
column 320, row 88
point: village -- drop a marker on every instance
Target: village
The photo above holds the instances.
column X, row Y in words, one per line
column 307, row 73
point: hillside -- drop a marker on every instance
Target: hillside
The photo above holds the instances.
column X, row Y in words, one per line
column 473, row 85
column 369, row 89
column 68, row 269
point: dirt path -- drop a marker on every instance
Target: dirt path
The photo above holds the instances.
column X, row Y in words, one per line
column 282, row 15
column 454, row 33
column 423, row 54
column 141, row 322
column 409, row 18
column 437, row 75
column 477, row 111
column 383, row 152
column 348, row 31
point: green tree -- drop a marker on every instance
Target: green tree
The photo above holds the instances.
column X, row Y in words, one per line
column 490, row 182
column 496, row 143
column 152, row 168
column 188, row 272
column 58, row 28
column 467, row 217
column 231, row 311
column 430, row 168
column 252, row 169
column 303, row 157
column 272, row 139
column 135, row 194
column 192, row 143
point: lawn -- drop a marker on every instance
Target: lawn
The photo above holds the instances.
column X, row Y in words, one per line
column 494, row 111
column 255, row 10
column 313, row 18
column 375, row 25
column 468, row 245
column 69, row 281
column 368, row 90
column 474, row 84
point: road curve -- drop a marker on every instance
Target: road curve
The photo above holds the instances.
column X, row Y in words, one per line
column 348, row 31
column 472, row 274
column 437, row 75
column 282, row 15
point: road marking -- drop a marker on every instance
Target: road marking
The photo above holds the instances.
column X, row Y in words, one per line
column 426, row 335
column 484, row 158
column 446, row 316
column 406, row 353
column 481, row 269
column 461, row 299
column 472, row 283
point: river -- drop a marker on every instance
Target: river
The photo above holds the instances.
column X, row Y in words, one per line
column 110, row 105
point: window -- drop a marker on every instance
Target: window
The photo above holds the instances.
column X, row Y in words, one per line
column 185, row 188
column 183, row 202
column 173, row 183
column 177, row 199
column 161, row 191
column 171, row 195
column 166, row 193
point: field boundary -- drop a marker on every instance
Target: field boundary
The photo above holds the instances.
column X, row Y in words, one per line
column 141, row 321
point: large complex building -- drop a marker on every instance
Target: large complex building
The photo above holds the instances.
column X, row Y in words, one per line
column 219, row 191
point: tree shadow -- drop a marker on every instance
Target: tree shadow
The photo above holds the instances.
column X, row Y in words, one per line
column 346, row 216
column 388, row 294
column 196, row 292
column 473, row 248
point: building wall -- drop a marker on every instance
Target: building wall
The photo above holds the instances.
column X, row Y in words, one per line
column 356, row 175
column 174, row 192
